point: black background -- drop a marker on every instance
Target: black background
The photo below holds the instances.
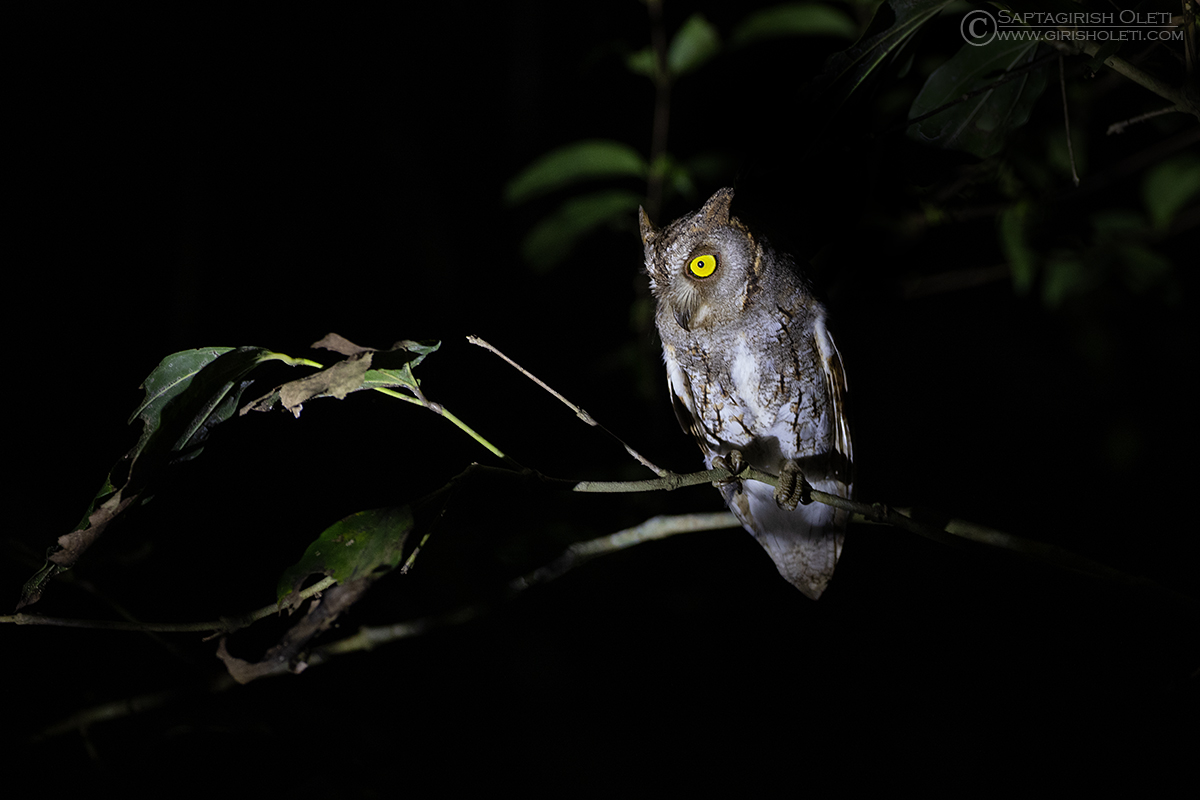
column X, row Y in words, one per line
column 189, row 179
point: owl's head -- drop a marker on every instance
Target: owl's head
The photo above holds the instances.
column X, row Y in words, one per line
column 703, row 267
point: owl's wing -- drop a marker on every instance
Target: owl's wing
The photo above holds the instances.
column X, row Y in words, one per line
column 684, row 404
column 835, row 384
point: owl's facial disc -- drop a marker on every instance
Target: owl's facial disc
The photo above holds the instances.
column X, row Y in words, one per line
column 686, row 303
column 690, row 303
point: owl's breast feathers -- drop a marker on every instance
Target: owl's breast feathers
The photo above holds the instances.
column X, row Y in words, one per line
column 774, row 410
column 764, row 392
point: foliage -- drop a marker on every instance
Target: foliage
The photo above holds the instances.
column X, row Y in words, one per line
column 193, row 391
column 976, row 102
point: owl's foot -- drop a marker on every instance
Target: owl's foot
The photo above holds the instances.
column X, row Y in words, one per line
column 792, row 489
column 734, row 463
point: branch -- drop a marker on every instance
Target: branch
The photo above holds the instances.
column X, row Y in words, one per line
column 1183, row 100
column 879, row 513
column 579, row 412
column 222, row 626
column 1119, row 127
column 367, row 638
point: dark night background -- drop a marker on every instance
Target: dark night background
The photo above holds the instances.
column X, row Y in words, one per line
column 184, row 180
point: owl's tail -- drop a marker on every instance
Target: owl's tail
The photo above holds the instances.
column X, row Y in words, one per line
column 804, row 543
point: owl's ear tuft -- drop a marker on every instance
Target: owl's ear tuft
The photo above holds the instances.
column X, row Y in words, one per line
column 648, row 231
column 716, row 210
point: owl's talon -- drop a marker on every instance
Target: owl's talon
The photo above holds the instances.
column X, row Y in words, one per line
column 792, row 489
column 733, row 463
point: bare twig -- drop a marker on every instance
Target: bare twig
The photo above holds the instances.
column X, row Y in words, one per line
column 1062, row 84
column 222, row 626
column 579, row 412
column 1119, row 127
column 1182, row 100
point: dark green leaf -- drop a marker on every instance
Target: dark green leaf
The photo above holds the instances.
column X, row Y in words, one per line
column 980, row 124
column 1066, row 275
column 389, row 378
column 352, row 548
column 574, row 163
column 187, row 395
column 1021, row 258
column 170, row 378
column 552, row 239
column 794, row 19
column 894, row 25
column 1144, row 268
column 406, row 352
column 190, row 393
column 1169, row 186
column 642, row 62
column 695, row 43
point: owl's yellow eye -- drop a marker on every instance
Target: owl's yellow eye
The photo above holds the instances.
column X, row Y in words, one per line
column 703, row 266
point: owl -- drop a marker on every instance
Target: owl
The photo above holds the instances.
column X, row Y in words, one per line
column 756, row 378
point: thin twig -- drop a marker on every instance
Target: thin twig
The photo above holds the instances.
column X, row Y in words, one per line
column 1183, row 101
column 222, row 626
column 367, row 638
column 441, row 411
column 579, row 412
column 1062, row 83
column 1119, row 127
column 653, row 529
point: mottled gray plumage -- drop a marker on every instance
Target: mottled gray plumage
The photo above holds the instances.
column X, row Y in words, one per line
column 752, row 369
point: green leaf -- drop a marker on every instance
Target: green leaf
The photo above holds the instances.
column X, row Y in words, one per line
column 389, row 378
column 895, row 23
column 1117, row 226
column 695, row 43
column 364, row 368
column 1169, row 186
column 1144, row 269
column 170, row 378
column 552, row 239
column 1066, row 275
column 1021, row 258
column 980, row 124
column 393, row 368
column 187, row 395
column 405, row 353
column 794, row 19
column 642, row 62
column 574, row 163
column 352, row 548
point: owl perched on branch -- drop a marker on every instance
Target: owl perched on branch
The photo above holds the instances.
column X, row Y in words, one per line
column 756, row 378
